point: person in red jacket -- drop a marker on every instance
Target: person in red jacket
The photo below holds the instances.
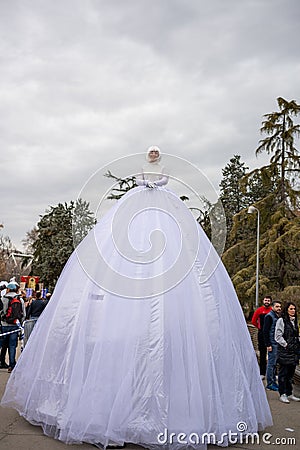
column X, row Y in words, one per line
column 258, row 322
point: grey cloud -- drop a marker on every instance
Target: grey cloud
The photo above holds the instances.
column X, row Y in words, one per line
column 82, row 83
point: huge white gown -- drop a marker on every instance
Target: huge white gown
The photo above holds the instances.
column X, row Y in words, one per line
column 143, row 337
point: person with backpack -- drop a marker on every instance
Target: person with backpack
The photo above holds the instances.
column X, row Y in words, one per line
column 13, row 313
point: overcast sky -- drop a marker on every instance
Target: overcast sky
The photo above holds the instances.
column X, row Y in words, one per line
column 86, row 81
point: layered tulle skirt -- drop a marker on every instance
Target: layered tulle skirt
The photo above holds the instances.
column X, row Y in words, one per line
column 144, row 339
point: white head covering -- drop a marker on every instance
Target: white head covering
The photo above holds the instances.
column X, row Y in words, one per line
column 13, row 280
column 156, row 149
column 3, row 285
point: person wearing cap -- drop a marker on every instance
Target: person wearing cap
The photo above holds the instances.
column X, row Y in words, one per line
column 13, row 281
column 12, row 338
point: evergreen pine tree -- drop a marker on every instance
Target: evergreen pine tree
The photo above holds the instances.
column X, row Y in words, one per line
column 232, row 196
column 58, row 231
column 280, row 142
column 272, row 190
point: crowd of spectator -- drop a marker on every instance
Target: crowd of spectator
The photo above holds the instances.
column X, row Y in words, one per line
column 278, row 344
column 19, row 314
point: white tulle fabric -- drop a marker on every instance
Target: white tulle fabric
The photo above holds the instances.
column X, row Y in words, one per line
column 170, row 355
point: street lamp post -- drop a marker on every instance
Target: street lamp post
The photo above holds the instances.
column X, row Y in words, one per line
column 251, row 210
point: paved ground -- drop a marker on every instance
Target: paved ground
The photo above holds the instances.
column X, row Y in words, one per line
column 17, row 434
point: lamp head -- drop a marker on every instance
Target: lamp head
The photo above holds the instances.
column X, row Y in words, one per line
column 252, row 209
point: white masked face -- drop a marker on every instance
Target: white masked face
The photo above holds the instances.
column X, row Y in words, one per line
column 153, row 154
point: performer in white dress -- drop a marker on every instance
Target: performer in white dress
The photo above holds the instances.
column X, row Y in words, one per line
column 144, row 338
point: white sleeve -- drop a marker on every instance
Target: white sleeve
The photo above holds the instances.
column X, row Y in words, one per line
column 140, row 182
column 140, row 179
column 279, row 330
column 162, row 181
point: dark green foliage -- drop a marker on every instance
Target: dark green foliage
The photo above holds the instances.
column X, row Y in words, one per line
column 57, row 236
column 272, row 190
column 232, row 196
column 54, row 243
column 123, row 185
column 83, row 221
column 279, row 268
column 239, row 189
column 280, row 143
column 29, row 240
column 259, row 183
